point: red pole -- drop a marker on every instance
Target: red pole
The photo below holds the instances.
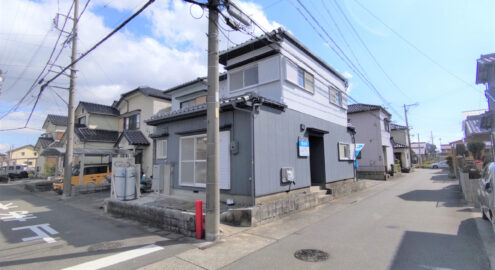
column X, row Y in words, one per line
column 199, row 219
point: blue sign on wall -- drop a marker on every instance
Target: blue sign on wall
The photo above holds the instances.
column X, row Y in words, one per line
column 303, row 147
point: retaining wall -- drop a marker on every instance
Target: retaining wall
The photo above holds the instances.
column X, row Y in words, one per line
column 469, row 188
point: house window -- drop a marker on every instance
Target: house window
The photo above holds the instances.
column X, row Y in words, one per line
column 244, row 78
column 22, row 153
column 192, row 171
column 345, row 151
column 35, row 154
column 337, row 97
column 386, row 124
column 193, row 102
column 305, row 80
column 131, row 122
column 161, row 149
column 81, row 120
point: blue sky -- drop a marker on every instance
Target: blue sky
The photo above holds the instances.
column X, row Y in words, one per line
column 452, row 33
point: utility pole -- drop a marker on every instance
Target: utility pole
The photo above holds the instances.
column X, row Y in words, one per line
column 419, row 152
column 69, row 148
column 212, row 130
column 408, row 134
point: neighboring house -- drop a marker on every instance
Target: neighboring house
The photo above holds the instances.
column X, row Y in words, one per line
column 423, row 151
column 445, row 149
column 95, row 134
column 400, row 136
column 134, row 107
column 54, row 127
column 25, row 155
column 275, row 98
column 485, row 74
column 3, row 159
column 372, row 124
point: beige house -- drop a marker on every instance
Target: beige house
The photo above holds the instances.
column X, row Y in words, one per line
column 24, row 155
column 54, row 126
column 135, row 107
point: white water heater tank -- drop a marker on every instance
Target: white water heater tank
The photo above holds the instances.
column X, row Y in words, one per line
column 120, row 182
column 130, row 183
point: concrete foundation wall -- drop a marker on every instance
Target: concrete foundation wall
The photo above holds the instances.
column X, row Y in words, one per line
column 167, row 219
column 378, row 175
column 469, row 188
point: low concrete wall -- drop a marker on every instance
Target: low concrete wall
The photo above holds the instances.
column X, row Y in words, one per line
column 89, row 188
column 380, row 175
column 469, row 188
column 40, row 186
column 291, row 203
column 163, row 218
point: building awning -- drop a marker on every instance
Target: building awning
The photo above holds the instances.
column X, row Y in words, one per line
column 316, row 130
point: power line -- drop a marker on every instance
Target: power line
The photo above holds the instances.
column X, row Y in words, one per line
column 415, row 47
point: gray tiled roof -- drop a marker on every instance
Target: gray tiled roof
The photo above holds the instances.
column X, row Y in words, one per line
column 399, row 145
column 396, row 127
column 44, row 142
column 472, row 125
column 99, row 109
column 58, row 120
column 360, row 107
column 96, row 135
column 134, row 137
column 223, row 102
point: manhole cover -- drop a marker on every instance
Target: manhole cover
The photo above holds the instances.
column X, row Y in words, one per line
column 311, row 255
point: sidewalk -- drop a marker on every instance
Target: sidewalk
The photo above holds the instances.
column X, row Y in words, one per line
column 237, row 242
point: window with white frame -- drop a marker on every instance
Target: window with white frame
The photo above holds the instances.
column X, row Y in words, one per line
column 161, row 149
column 337, row 97
column 305, row 80
column 192, row 171
column 345, row 151
column 244, row 78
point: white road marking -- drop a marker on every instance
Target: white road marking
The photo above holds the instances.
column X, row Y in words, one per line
column 7, row 206
column 20, row 216
column 117, row 258
column 40, row 234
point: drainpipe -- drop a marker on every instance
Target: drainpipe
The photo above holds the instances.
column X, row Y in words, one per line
column 252, row 111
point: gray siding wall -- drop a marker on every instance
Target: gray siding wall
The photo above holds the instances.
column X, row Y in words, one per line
column 240, row 163
column 276, row 138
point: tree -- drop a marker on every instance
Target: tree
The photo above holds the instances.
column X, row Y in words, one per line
column 460, row 149
column 476, row 148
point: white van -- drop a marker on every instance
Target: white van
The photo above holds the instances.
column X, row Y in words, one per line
column 14, row 171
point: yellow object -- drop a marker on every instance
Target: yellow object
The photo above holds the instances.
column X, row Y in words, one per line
column 94, row 174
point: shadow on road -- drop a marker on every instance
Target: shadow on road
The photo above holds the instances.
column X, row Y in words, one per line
column 449, row 196
column 420, row 250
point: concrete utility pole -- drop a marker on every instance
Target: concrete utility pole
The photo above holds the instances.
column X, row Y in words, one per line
column 407, row 125
column 212, row 129
column 69, row 148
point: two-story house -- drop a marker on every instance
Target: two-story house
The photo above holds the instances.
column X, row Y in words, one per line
column 400, row 136
column 283, row 112
column 24, row 155
column 134, row 108
column 372, row 124
column 54, row 127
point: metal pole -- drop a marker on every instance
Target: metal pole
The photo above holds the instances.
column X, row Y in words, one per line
column 69, row 150
column 408, row 136
column 212, row 130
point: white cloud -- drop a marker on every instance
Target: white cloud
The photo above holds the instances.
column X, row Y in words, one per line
column 347, row 74
column 4, row 147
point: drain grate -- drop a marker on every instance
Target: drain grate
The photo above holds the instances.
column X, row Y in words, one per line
column 311, row 255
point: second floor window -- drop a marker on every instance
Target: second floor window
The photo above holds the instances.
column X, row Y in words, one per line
column 337, row 97
column 81, row 120
column 386, row 124
column 244, row 78
column 131, row 122
column 306, row 80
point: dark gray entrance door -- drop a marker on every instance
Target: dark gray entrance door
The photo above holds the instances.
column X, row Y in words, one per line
column 317, row 159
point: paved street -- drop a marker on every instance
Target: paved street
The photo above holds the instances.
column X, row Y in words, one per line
column 74, row 232
column 414, row 222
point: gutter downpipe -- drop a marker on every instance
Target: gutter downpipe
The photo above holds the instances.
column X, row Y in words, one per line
column 253, row 108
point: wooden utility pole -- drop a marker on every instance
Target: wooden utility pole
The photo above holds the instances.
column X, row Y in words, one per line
column 69, row 148
column 212, row 130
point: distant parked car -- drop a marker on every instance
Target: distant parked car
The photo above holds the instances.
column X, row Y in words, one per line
column 486, row 195
column 14, row 171
column 441, row 164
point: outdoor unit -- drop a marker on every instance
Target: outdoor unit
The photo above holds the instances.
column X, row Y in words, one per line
column 161, row 178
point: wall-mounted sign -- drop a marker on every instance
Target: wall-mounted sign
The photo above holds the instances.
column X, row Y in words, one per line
column 303, row 147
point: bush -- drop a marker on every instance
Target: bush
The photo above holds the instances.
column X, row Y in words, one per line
column 476, row 149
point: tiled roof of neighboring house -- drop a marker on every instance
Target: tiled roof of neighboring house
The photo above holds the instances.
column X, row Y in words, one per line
column 399, row 145
column 57, row 144
column 134, row 137
column 99, row 109
column 222, row 77
column 397, row 127
column 96, row 135
column 223, row 102
column 275, row 36
column 18, row 148
column 58, row 120
column 360, row 107
column 146, row 91
column 159, row 133
column 44, row 142
column 472, row 125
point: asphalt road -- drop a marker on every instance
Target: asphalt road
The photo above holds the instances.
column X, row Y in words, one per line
column 418, row 221
column 46, row 232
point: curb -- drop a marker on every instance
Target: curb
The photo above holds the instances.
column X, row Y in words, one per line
column 487, row 237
